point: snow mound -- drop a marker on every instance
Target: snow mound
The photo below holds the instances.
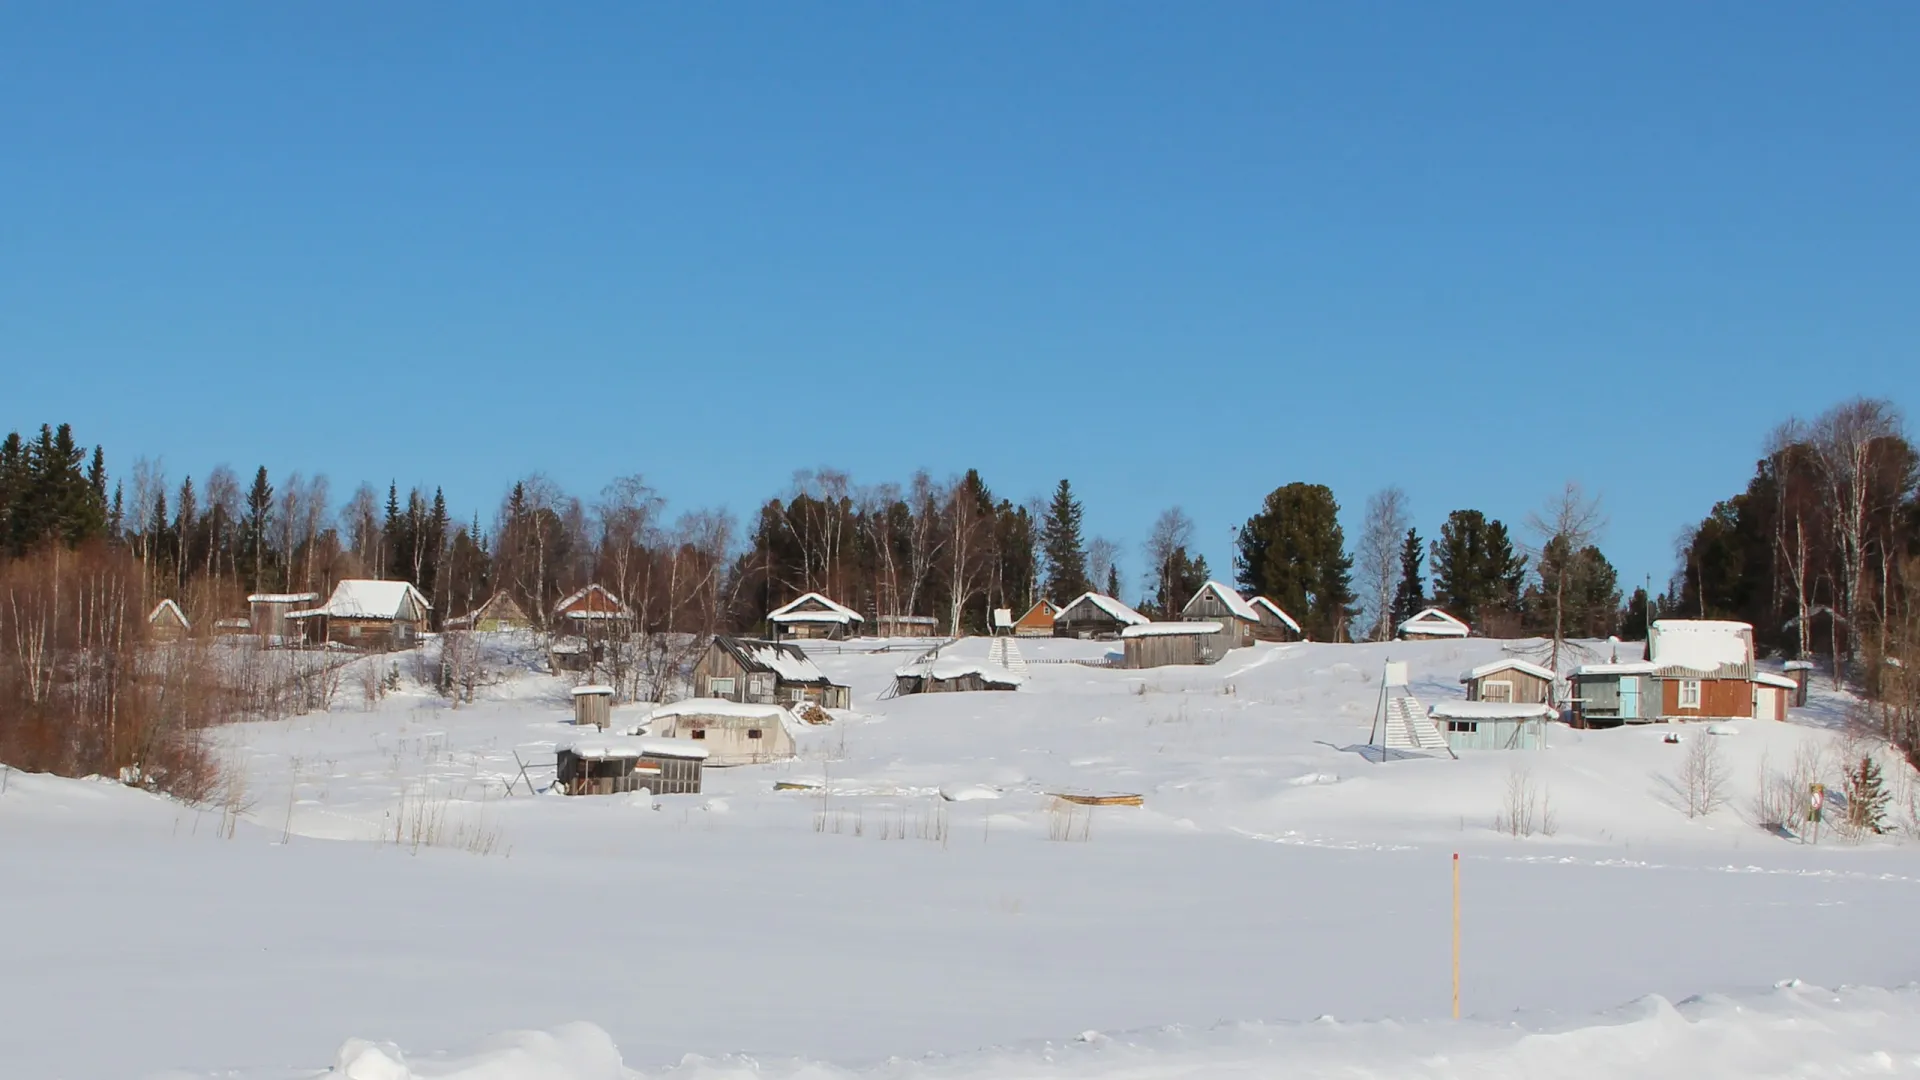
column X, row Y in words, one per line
column 573, row 1052
column 967, row 792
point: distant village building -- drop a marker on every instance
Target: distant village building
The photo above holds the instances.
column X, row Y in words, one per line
column 232, row 627
column 1219, row 603
column 946, row 674
column 1801, row 672
column 813, row 616
column 1510, row 681
column 1092, row 615
column 1772, row 695
column 592, row 612
column 268, row 614
column 1164, row 644
column 166, row 622
column 610, row 765
column 752, row 671
column 372, row 615
column 1607, row 695
column 500, row 612
column 1431, row 624
column 592, row 706
column 1275, row 623
column 905, row 626
column 1492, row 725
column 731, row 732
column 1038, row 621
column 1704, row 667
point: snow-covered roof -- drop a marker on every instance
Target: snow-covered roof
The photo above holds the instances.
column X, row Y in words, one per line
column 1233, row 601
column 172, row 608
column 1261, row 603
column 826, row 611
column 609, row 607
column 363, row 599
column 1434, row 623
column 1172, row 629
column 233, row 624
column 1768, row 678
column 1702, row 646
column 1491, row 710
column 1797, row 665
column 1508, row 664
column 283, row 598
column 958, row 667
column 717, row 707
column 1628, row 667
column 784, row 661
column 594, row 689
column 1112, row 608
column 615, row 748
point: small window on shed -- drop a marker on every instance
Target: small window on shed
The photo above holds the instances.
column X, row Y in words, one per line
column 699, row 733
column 719, row 687
column 1496, row 691
column 753, row 733
column 1468, row 727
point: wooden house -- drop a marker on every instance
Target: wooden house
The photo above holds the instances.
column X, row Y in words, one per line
column 1091, row 615
column 1492, row 725
column 1607, row 695
column 1515, row 682
column 1275, row 624
column 592, row 706
column 1430, row 624
column 166, row 622
column 1216, row 602
column 613, row 765
column 905, row 626
column 813, row 616
column 1164, row 644
column 751, row 671
column 1704, row 668
column 268, row 615
column 1038, row 621
column 373, row 615
column 732, row 733
column 500, row 612
column 1772, row 695
column 593, row 613
column 951, row 674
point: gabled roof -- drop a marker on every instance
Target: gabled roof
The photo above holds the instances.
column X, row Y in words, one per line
column 1172, row 629
column 1265, row 607
column 1508, row 664
column 497, row 606
column 814, row 608
column 171, row 609
column 1106, row 605
column 1042, row 611
column 1696, row 647
column 283, row 598
column 1233, row 601
column 1434, row 622
column 780, row 659
column 362, row 599
column 593, row 602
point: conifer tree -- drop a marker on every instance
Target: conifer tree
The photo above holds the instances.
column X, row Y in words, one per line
column 1867, row 796
column 1476, row 574
column 1411, row 595
column 255, row 530
column 1293, row 552
column 1060, row 541
column 1113, row 581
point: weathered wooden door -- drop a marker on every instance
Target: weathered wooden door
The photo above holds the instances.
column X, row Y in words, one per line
column 1629, row 699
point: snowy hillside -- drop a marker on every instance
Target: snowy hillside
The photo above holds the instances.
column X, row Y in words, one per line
column 910, row 884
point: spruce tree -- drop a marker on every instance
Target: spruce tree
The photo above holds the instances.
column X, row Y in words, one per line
column 1411, row 595
column 1294, row 553
column 255, row 528
column 1476, row 574
column 1866, row 796
column 1060, row 541
column 1113, row 581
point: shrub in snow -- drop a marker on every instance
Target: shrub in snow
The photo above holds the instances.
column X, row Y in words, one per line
column 1866, row 796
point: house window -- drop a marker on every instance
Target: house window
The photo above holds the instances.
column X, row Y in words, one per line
column 1496, row 691
column 798, row 694
column 1467, row 727
column 1689, row 693
column 753, row 733
column 720, row 687
column 699, row 733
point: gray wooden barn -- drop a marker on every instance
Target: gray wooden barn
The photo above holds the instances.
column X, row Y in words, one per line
column 613, row 765
column 753, row 671
column 1492, row 725
column 950, row 674
column 1608, row 695
column 1216, row 602
column 1510, row 680
column 1092, row 615
column 1165, row 644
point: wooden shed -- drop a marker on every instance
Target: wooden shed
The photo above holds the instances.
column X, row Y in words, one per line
column 232, row 627
column 752, row 671
column 1164, row 644
column 268, row 614
column 166, row 622
column 1219, row 603
column 730, row 732
column 1430, row 624
column 1801, row 672
column 1772, row 695
column 500, row 612
column 613, row 765
column 1275, row 624
column 1092, row 615
column 372, row 615
column 1607, row 695
column 1704, row 668
column 813, row 616
column 593, row 613
column 952, row 674
column 593, row 706
column 1513, row 681
column 1038, row 621
column 1492, row 725
column 906, row 626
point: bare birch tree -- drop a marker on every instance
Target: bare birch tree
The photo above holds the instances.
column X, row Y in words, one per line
column 1570, row 522
column 1386, row 524
column 1843, row 440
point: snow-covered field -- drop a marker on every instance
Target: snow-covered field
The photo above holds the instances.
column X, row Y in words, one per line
column 381, row 885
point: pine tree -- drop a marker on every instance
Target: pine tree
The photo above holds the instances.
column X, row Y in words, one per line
column 1867, row 796
column 116, row 516
column 1411, row 595
column 1113, row 581
column 1060, row 541
column 1476, row 574
column 1294, row 553
column 398, row 542
column 1634, row 621
column 255, row 530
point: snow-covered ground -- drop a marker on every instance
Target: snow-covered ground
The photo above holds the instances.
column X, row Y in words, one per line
column 380, row 884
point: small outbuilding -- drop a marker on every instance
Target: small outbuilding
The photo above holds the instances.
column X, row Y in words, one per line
column 948, row 674
column 1492, row 725
column 593, row 613
column 166, row 622
column 730, row 732
column 593, row 706
column 372, row 615
column 1092, row 615
column 1801, row 672
column 1431, row 624
column 905, row 626
column 1038, row 621
column 500, row 612
column 813, row 616
column 1166, row 644
column 613, row 765
column 1275, row 624
column 1607, row 695
column 1219, row 603
column 1772, row 695
column 269, row 614
column 232, row 627
column 752, row 671
column 1704, row 668
column 1514, row 681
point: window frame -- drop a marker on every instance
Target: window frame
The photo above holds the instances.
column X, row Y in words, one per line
column 1485, row 684
column 714, row 683
column 1691, row 694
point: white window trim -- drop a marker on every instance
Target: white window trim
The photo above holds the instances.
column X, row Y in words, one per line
column 1690, row 694
column 714, row 682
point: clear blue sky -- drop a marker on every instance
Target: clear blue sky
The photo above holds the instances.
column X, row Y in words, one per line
column 1179, row 253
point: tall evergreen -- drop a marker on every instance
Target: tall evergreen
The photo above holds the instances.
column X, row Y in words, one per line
column 1294, row 553
column 1476, row 573
column 256, row 527
column 1411, row 595
column 1634, row 621
column 1060, row 541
